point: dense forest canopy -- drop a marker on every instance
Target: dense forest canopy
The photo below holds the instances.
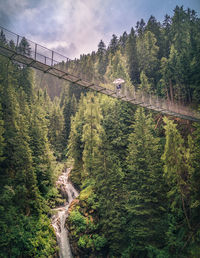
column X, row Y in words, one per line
column 138, row 172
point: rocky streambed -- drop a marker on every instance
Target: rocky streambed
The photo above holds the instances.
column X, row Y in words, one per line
column 69, row 193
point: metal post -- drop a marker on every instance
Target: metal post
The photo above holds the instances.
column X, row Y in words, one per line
column 52, row 59
column 17, row 42
column 35, row 51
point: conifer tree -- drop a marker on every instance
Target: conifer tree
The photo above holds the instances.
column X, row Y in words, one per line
column 39, row 144
column 24, row 47
column 117, row 68
column 113, row 46
column 69, row 110
column 148, row 53
column 1, row 136
column 145, row 187
column 155, row 27
column 122, row 42
column 22, row 218
column 193, row 156
column 56, row 124
column 140, row 27
column 145, row 85
column 132, row 57
column 92, row 135
column 178, row 172
column 166, row 36
column 102, row 59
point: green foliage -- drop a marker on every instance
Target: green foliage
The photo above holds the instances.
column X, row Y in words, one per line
column 132, row 57
column 102, row 59
column 1, row 136
column 145, row 85
column 25, row 167
column 78, row 221
column 117, row 68
column 95, row 243
column 144, row 195
column 56, row 128
column 154, row 252
column 145, row 186
column 180, row 170
column 92, row 135
column 26, row 236
column 132, row 202
column 83, row 223
column 148, row 53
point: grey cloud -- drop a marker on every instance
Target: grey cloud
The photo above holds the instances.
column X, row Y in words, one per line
column 68, row 51
column 11, row 10
column 48, row 22
column 71, row 27
column 4, row 19
column 78, row 25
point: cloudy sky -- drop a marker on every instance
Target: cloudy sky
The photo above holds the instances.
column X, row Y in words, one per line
column 73, row 27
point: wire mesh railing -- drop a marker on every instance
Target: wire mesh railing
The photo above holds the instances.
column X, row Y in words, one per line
column 30, row 48
column 30, row 53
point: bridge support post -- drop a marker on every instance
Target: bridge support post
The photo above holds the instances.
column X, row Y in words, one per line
column 52, row 58
column 35, row 51
column 17, row 42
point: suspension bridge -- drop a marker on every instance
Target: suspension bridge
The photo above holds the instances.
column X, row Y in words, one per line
column 48, row 61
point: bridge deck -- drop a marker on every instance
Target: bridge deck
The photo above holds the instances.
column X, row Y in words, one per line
column 47, row 64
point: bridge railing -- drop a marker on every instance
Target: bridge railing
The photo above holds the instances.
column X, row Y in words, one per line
column 32, row 49
column 154, row 102
column 74, row 71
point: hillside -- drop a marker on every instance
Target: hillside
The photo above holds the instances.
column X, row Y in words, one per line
column 138, row 172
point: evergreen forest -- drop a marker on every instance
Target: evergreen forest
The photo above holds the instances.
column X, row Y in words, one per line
column 137, row 171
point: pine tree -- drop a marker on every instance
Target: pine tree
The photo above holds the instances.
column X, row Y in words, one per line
column 182, row 37
column 21, row 203
column 140, row 27
column 147, row 53
column 113, row 46
column 166, row 37
column 122, row 42
column 56, row 130
column 39, row 144
column 69, row 110
column 1, row 136
column 193, row 157
column 3, row 40
column 177, row 172
column 117, row 68
column 132, row 57
column 155, row 27
column 24, row 47
column 110, row 195
column 145, row 188
column 92, row 134
column 101, row 49
column 145, row 85
column 102, row 59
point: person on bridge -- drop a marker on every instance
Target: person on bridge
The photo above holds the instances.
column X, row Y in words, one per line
column 118, row 88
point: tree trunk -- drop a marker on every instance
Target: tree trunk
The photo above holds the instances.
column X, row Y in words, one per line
column 171, row 91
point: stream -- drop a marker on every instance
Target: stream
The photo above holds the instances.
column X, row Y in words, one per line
column 58, row 221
